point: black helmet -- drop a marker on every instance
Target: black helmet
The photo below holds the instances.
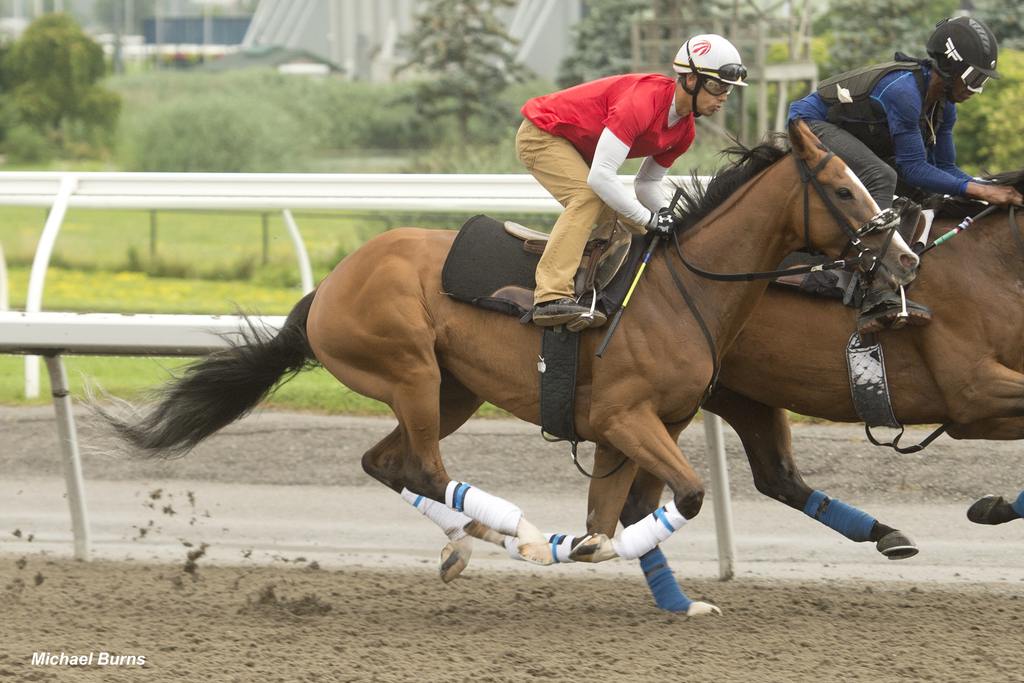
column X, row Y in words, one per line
column 964, row 47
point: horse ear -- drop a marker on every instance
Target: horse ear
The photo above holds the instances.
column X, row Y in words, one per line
column 805, row 144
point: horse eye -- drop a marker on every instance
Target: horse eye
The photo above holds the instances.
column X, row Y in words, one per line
column 844, row 193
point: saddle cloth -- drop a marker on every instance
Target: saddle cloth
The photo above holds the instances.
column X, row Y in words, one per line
column 492, row 265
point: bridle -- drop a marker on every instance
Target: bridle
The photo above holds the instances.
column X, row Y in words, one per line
column 888, row 220
column 865, row 260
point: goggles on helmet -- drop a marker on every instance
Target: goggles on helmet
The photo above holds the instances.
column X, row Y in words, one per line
column 973, row 79
column 728, row 72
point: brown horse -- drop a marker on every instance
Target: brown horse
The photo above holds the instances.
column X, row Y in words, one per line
column 382, row 326
column 965, row 370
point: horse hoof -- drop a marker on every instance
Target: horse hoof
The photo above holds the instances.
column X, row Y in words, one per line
column 702, row 609
column 991, row 510
column 896, row 546
column 536, row 553
column 455, row 558
column 593, row 548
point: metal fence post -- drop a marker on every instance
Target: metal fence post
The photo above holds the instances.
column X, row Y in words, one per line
column 70, row 461
column 721, row 498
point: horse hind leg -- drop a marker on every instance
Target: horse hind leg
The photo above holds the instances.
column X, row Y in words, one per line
column 767, row 441
column 996, row 510
column 383, row 462
column 409, row 461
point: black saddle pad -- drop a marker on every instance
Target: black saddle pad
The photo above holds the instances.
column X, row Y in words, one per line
column 489, row 268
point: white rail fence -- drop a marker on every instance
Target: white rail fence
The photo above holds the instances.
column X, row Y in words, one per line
column 51, row 334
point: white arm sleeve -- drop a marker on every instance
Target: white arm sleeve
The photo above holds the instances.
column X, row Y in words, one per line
column 603, row 179
column 647, row 184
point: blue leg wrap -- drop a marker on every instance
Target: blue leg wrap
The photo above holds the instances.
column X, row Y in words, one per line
column 666, row 591
column 1018, row 505
column 849, row 521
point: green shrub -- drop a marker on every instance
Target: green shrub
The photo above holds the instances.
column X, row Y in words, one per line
column 216, row 133
column 52, row 75
column 332, row 113
column 369, row 116
column 25, row 144
column 987, row 131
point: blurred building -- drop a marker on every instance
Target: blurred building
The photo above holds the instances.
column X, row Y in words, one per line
column 361, row 36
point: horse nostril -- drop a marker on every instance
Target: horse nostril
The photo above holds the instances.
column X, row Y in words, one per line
column 909, row 261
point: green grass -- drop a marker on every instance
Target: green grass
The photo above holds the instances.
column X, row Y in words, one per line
column 124, row 292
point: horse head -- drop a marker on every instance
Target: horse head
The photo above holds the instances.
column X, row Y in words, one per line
column 838, row 215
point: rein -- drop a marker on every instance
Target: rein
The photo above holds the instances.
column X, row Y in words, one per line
column 1015, row 229
column 808, row 176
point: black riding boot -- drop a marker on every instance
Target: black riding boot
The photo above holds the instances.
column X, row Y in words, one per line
column 566, row 311
column 882, row 308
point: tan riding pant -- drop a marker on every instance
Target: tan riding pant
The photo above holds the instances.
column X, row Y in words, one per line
column 556, row 164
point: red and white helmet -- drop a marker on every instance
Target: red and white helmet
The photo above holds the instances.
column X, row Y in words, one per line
column 711, row 55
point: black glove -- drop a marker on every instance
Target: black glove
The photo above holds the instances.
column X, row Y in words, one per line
column 664, row 222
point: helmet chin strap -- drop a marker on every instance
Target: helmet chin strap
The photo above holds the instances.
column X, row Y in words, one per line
column 692, row 93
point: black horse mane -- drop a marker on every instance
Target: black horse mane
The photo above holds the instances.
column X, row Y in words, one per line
column 961, row 207
column 698, row 200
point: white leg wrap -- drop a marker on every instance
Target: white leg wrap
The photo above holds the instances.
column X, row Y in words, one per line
column 451, row 522
column 641, row 537
column 497, row 513
column 561, row 546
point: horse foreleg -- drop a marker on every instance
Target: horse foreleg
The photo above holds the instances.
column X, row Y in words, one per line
column 631, row 495
column 766, row 438
column 653, row 448
column 993, row 509
column 644, row 496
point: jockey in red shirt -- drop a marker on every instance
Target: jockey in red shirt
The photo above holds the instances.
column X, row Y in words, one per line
column 574, row 141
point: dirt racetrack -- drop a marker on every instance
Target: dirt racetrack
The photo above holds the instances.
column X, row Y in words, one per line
column 311, row 572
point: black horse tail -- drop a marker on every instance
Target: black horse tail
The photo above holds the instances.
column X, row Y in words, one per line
column 217, row 390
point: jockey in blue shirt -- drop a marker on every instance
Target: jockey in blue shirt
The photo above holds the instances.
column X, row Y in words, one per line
column 892, row 124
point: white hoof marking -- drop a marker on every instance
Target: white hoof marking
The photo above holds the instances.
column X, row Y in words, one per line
column 701, row 609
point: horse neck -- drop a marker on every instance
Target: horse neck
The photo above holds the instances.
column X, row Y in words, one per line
column 747, row 233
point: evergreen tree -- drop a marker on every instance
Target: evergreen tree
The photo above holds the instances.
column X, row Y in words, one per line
column 602, row 42
column 467, row 57
column 1005, row 18
column 53, row 70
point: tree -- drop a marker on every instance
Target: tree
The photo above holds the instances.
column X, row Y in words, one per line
column 1006, row 19
column 602, row 42
column 988, row 131
column 53, row 71
column 467, row 55
column 869, row 31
